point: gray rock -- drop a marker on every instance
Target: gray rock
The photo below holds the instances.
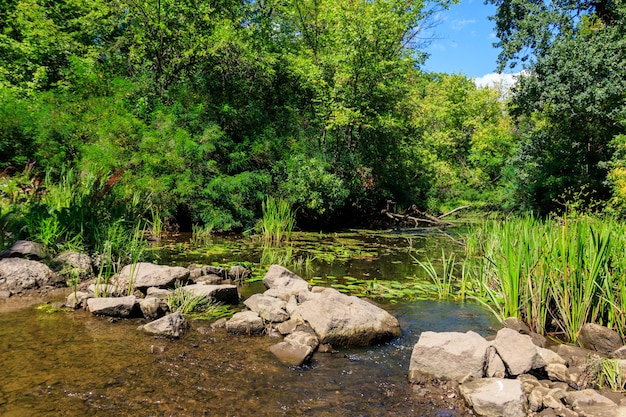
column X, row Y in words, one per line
column 24, row 249
column 143, row 275
column 495, row 366
column 17, row 274
column 550, row 356
column 112, row 306
column 151, row 308
column 223, row 293
column 519, row 326
column 245, row 322
column 517, row 351
column 214, row 270
column 573, row 355
column 269, row 308
column 296, row 349
column 599, row 338
column 495, row 397
column 343, row 320
column 71, row 262
column 239, row 274
column 77, row 299
column 173, row 325
column 619, row 353
column 450, row 355
column 279, row 277
column 586, row 397
column 558, row 372
column 601, row 410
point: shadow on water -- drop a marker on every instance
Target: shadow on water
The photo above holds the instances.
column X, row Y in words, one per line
column 74, row 364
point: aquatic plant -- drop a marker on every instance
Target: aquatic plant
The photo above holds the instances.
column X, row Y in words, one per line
column 278, row 220
column 556, row 274
column 201, row 234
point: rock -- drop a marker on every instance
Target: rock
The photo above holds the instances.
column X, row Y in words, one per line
column 151, row 308
column 519, row 326
column 550, row 356
column 517, row 351
column 450, row 355
column 495, row 397
column 573, row 355
column 223, row 293
column 558, row 372
column 618, row 353
column 112, row 306
column 238, row 273
column 173, row 325
column 24, row 249
column 495, row 367
column 245, row 322
column 214, row 270
column 71, row 262
column 296, row 349
column 17, row 274
column 270, row 309
column 279, row 277
column 77, row 299
column 599, row 338
column 586, row 397
column 343, row 320
column 602, row 410
column 145, row 274
column 104, row 290
column 535, row 400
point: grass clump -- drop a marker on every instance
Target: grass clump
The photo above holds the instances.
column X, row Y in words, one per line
column 277, row 222
column 196, row 307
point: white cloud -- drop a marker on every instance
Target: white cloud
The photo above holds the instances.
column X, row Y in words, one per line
column 460, row 24
column 504, row 81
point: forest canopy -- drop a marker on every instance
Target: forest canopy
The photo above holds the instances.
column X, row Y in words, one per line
column 202, row 109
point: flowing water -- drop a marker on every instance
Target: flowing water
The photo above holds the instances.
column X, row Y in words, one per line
column 75, row 364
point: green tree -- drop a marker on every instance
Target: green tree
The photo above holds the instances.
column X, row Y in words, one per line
column 570, row 103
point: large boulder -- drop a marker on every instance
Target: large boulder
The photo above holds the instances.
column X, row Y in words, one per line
column 112, row 306
column 518, row 352
column 495, row 397
column 269, row 308
column 344, row 320
column 24, row 249
column 173, row 325
column 17, row 274
column 449, row 355
column 143, row 275
column 223, row 293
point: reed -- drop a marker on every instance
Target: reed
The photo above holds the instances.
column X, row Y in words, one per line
column 445, row 280
column 565, row 271
column 201, row 234
column 278, row 220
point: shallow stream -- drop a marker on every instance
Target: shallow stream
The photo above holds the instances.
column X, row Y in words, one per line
column 75, row 364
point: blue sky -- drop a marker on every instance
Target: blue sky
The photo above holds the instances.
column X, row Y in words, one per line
column 462, row 40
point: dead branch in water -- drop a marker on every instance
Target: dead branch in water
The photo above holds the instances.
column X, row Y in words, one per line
column 414, row 217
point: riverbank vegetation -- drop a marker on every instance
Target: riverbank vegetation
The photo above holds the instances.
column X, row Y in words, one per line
column 121, row 120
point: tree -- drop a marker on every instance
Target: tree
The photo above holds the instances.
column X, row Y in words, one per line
column 570, row 103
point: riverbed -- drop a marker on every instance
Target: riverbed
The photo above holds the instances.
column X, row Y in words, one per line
column 75, row 364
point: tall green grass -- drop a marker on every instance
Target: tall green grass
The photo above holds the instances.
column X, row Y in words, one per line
column 556, row 274
column 277, row 222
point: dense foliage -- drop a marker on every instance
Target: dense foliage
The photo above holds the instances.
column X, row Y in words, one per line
column 570, row 104
column 206, row 109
